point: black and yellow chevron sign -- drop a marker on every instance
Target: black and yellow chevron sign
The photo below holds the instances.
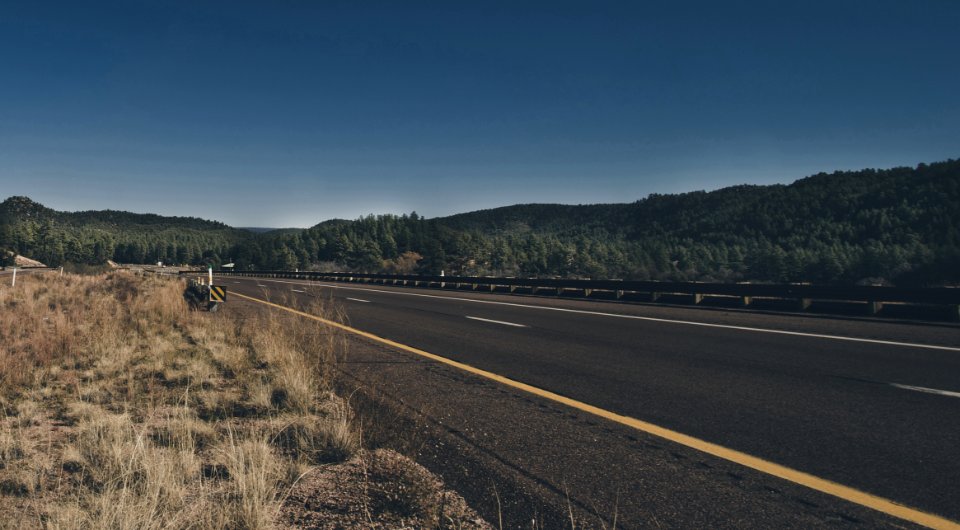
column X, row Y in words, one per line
column 218, row 293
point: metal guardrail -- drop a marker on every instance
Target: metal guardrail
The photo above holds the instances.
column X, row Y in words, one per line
column 12, row 272
column 26, row 270
column 803, row 294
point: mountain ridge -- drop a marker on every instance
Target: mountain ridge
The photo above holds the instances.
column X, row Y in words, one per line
column 889, row 225
column 95, row 236
column 869, row 226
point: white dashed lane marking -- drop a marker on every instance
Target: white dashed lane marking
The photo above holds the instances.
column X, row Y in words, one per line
column 497, row 322
column 926, row 390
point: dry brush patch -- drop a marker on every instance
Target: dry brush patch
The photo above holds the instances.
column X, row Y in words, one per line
column 121, row 408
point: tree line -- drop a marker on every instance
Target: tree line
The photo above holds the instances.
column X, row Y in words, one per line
column 899, row 226
column 55, row 238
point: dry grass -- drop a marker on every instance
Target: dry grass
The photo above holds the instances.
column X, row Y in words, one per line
column 123, row 409
column 256, row 474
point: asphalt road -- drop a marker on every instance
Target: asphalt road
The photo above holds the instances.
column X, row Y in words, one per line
column 872, row 405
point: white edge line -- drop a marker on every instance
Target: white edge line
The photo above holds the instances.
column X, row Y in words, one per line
column 359, row 300
column 927, row 390
column 297, row 291
column 497, row 322
column 649, row 319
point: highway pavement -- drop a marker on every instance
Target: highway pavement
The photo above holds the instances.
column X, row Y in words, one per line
column 871, row 405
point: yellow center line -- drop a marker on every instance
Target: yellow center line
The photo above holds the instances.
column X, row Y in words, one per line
column 846, row 493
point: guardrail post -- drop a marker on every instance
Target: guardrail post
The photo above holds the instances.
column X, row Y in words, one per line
column 619, row 294
column 745, row 301
column 560, row 291
column 874, row 307
column 587, row 293
column 654, row 296
column 513, row 288
column 804, row 303
column 956, row 313
column 494, row 288
column 697, row 298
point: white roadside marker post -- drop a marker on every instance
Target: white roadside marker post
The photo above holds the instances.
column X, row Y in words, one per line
column 210, row 272
column 14, row 282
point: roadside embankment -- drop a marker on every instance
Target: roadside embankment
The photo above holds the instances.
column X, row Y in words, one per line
column 123, row 409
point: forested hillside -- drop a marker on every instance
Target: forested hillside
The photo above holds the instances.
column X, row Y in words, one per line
column 54, row 238
column 899, row 225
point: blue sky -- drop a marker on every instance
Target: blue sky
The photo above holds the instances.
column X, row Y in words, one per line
column 289, row 113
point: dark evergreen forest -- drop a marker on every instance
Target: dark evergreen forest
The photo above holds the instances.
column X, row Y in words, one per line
column 54, row 238
column 898, row 226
